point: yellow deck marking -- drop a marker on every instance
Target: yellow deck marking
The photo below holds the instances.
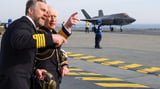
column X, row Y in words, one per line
column 84, row 57
column 69, row 53
column 100, row 78
column 73, row 73
column 75, row 69
column 112, row 62
column 97, row 60
column 146, row 70
column 84, row 73
column 130, row 66
column 108, row 79
column 73, row 55
column 121, row 85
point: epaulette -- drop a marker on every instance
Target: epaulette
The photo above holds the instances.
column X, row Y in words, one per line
column 43, row 53
column 41, row 31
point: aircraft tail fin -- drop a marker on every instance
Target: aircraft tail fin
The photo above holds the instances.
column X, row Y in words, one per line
column 85, row 14
column 100, row 13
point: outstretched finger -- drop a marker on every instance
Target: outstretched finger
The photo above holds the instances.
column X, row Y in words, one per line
column 74, row 14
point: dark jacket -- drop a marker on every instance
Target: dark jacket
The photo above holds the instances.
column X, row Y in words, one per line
column 50, row 58
column 18, row 48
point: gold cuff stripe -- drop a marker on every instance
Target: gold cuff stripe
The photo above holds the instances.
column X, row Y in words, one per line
column 62, row 33
column 63, row 63
column 50, row 82
column 40, row 40
column 44, row 85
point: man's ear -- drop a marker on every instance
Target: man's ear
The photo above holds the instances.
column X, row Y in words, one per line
column 30, row 10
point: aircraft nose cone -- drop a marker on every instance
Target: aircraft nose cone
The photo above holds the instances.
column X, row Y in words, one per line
column 132, row 20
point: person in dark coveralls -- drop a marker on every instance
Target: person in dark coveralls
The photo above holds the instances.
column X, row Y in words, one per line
column 7, row 24
column 50, row 59
column 19, row 45
column 98, row 34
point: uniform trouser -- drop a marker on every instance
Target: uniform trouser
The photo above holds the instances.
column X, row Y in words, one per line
column 97, row 40
column 87, row 30
column 14, row 82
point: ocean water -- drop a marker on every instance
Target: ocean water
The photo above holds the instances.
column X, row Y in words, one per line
column 145, row 26
column 132, row 26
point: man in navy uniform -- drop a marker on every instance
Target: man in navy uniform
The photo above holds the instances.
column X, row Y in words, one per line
column 52, row 59
column 19, row 45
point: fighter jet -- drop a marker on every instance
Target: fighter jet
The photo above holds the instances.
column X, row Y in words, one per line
column 113, row 19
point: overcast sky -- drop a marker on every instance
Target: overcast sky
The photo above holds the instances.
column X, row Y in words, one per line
column 144, row 11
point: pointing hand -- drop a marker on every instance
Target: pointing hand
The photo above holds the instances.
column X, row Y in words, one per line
column 73, row 19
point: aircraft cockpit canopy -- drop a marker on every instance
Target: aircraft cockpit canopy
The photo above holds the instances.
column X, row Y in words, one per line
column 124, row 15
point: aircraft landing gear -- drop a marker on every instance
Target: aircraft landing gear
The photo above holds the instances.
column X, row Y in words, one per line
column 94, row 29
column 121, row 29
column 111, row 29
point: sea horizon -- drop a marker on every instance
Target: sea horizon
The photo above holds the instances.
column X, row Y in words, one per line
column 129, row 26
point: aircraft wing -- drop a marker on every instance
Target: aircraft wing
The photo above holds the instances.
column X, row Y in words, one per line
column 88, row 19
column 93, row 21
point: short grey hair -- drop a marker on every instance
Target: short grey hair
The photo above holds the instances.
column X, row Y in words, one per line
column 32, row 3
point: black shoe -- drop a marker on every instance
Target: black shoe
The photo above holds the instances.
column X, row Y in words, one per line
column 98, row 47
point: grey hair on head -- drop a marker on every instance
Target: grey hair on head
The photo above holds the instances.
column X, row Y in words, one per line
column 31, row 3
